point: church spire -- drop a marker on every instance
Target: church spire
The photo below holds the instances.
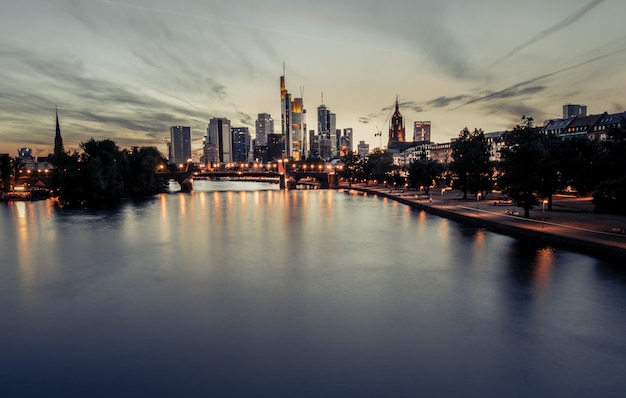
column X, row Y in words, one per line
column 58, row 140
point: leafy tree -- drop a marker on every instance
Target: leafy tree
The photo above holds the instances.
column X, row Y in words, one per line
column 425, row 173
column 379, row 166
column 471, row 164
column 351, row 166
column 577, row 164
column 521, row 168
column 103, row 172
column 610, row 195
column 101, row 165
column 550, row 173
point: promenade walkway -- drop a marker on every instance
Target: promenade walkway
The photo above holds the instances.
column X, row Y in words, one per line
column 570, row 223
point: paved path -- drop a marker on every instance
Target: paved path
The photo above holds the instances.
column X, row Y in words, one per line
column 570, row 222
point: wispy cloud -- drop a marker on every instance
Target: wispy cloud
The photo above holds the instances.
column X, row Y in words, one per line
column 552, row 29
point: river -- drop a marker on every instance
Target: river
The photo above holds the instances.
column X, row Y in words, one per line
column 243, row 290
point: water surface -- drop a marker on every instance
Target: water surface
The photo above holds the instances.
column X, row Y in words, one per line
column 243, row 290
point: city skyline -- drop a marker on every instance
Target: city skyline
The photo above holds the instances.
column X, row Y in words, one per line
column 129, row 70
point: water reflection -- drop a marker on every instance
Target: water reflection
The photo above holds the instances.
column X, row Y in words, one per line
column 297, row 293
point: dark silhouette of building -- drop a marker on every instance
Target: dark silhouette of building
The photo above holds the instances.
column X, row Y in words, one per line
column 58, row 140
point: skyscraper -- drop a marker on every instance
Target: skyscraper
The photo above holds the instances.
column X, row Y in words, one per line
column 285, row 116
column 180, row 139
column 241, row 144
column 396, row 128
column 298, row 127
column 421, row 131
column 292, row 122
column 218, row 145
column 264, row 127
column 346, row 142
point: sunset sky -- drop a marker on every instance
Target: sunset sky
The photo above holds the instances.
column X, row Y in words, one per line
column 130, row 69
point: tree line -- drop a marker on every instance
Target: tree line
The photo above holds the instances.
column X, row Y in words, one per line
column 104, row 173
column 533, row 165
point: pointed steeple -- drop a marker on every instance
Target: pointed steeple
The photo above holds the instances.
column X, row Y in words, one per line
column 396, row 127
column 58, row 140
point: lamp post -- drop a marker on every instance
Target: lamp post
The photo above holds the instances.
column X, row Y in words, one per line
column 477, row 200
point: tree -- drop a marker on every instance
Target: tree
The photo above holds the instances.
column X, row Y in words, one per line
column 379, row 166
column 471, row 164
column 103, row 172
column 521, row 167
column 610, row 194
column 351, row 165
column 577, row 159
column 425, row 173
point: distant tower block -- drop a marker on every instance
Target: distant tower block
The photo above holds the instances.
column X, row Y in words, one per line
column 573, row 110
column 421, row 131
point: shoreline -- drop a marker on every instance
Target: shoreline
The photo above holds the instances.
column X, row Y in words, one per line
column 574, row 227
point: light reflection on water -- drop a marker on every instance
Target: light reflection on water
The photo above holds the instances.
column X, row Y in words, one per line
column 247, row 290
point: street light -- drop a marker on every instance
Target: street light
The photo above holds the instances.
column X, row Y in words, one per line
column 477, row 200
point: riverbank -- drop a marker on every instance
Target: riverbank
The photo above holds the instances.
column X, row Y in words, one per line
column 571, row 223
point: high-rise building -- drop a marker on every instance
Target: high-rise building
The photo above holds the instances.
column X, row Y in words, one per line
column 180, row 141
column 292, row 121
column 241, row 144
column 275, row 147
column 314, row 145
column 298, row 128
column 346, row 142
column 573, row 110
column 327, row 132
column 264, row 127
column 285, row 116
column 363, row 149
column 218, row 145
column 421, row 131
column 396, row 128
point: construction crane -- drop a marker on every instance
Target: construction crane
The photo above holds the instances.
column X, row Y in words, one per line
column 379, row 134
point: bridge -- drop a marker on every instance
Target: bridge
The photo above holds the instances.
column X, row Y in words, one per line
column 286, row 179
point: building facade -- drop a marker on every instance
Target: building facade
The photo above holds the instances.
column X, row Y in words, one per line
column 421, row 131
column 218, row 145
column 180, row 141
column 264, row 126
column 241, row 145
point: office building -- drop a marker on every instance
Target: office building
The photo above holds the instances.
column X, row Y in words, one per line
column 180, row 141
column 421, row 131
column 218, row 145
column 241, row 144
column 264, row 127
column 293, row 123
column 363, row 149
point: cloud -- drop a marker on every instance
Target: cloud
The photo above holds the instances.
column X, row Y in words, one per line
column 552, row 29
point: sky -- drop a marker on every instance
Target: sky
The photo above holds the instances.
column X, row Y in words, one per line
column 129, row 69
